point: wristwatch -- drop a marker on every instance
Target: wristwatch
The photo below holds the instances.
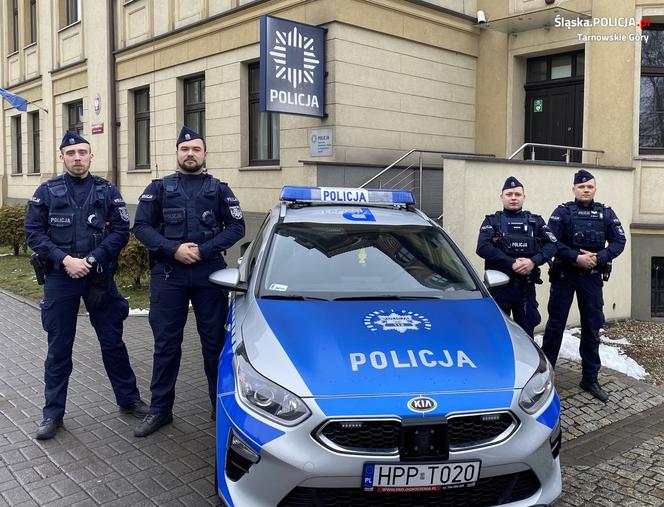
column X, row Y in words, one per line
column 91, row 259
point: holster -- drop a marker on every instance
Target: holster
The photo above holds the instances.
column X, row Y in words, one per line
column 555, row 270
column 100, row 283
column 41, row 266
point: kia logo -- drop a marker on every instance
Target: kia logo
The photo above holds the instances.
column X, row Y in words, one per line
column 422, row 404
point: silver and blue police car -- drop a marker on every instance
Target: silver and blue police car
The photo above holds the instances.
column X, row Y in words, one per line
column 366, row 365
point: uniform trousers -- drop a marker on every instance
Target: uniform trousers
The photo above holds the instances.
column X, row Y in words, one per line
column 588, row 289
column 173, row 286
column 518, row 299
column 59, row 312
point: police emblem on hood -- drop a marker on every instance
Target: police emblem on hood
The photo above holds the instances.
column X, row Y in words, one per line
column 400, row 321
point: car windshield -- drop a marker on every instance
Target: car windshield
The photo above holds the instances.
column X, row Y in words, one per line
column 339, row 261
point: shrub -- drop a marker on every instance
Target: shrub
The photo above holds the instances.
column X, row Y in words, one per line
column 134, row 261
column 11, row 227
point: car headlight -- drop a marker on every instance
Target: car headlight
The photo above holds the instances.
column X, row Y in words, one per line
column 265, row 397
column 537, row 390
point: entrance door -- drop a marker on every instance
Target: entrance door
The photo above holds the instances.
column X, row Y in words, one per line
column 657, row 287
column 554, row 106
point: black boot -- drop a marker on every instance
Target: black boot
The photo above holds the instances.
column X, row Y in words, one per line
column 595, row 389
column 152, row 423
column 48, row 428
column 137, row 408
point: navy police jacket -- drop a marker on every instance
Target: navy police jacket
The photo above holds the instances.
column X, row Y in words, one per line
column 166, row 217
column 593, row 227
column 508, row 235
column 56, row 226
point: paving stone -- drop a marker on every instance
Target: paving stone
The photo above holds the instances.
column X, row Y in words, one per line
column 612, row 454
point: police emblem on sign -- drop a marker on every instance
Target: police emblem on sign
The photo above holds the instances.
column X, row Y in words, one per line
column 236, row 212
column 400, row 321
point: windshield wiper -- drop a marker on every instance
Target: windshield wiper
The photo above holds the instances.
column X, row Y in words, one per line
column 293, row 297
column 383, row 297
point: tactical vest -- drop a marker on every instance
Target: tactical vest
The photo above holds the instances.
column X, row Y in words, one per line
column 587, row 226
column 77, row 230
column 517, row 234
column 190, row 218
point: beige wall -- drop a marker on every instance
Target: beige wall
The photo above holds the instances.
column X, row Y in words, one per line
column 546, row 187
column 385, row 95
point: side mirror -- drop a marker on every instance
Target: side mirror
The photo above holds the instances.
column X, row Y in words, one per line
column 229, row 278
column 243, row 247
column 494, row 278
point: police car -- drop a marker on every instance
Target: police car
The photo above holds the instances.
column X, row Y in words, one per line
column 366, row 364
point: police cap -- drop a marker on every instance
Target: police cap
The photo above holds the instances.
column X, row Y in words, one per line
column 582, row 176
column 512, row 182
column 72, row 138
column 186, row 134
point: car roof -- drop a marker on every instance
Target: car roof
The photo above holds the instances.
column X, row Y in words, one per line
column 348, row 214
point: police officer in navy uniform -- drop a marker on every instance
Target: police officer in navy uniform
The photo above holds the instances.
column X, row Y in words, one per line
column 187, row 220
column 516, row 242
column 77, row 223
column 590, row 237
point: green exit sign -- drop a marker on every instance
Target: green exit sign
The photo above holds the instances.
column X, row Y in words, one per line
column 538, row 105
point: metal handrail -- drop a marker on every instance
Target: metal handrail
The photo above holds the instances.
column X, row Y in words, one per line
column 558, row 146
column 363, row 185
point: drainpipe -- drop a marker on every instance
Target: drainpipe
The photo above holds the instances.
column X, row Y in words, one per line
column 112, row 113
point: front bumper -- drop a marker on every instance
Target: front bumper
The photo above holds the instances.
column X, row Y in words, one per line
column 294, row 469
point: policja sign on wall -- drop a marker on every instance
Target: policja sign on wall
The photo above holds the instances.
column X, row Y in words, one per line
column 292, row 67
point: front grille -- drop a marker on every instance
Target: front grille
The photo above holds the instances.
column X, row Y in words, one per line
column 382, row 436
column 497, row 490
column 475, row 430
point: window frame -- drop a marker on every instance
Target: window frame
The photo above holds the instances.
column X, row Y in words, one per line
column 141, row 116
column 650, row 71
column 14, row 24
column 72, row 11
column 35, row 141
column 575, row 75
column 32, row 22
column 80, row 124
column 253, row 97
column 196, row 108
column 17, row 167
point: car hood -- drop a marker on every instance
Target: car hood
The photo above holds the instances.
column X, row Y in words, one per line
column 352, row 348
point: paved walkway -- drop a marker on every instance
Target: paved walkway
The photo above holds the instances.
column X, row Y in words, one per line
column 612, row 454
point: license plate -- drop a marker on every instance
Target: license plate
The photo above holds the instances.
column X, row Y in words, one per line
column 397, row 477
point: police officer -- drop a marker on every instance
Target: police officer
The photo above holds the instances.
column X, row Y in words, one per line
column 590, row 237
column 516, row 242
column 187, row 220
column 77, row 223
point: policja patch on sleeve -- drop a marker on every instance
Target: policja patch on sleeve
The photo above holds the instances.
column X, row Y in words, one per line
column 236, row 212
column 124, row 214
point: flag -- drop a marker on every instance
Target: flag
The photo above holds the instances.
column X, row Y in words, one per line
column 15, row 100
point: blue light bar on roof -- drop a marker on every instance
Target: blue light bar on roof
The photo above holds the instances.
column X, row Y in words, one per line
column 346, row 195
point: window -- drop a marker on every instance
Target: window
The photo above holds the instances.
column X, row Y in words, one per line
column 263, row 126
column 651, row 117
column 657, row 287
column 13, row 14
column 72, row 11
column 32, row 22
column 562, row 66
column 35, row 147
column 142, row 128
column 75, row 116
column 18, row 146
column 194, row 104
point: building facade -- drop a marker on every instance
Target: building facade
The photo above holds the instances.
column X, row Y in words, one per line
column 401, row 75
